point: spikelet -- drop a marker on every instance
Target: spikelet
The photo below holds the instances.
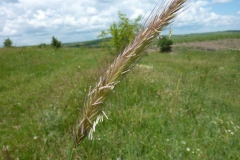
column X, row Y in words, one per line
column 161, row 16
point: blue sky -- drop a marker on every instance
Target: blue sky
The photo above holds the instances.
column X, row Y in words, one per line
column 226, row 8
column 28, row 22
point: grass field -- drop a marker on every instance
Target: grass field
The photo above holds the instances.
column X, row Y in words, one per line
column 194, row 37
column 198, row 37
column 171, row 106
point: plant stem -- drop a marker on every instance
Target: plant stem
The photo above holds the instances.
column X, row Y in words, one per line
column 154, row 24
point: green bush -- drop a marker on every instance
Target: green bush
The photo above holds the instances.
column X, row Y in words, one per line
column 42, row 45
column 165, row 44
column 122, row 33
column 56, row 43
column 7, row 43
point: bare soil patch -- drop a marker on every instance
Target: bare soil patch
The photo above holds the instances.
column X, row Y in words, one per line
column 222, row 44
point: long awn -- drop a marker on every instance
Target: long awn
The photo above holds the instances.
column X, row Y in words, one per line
column 161, row 16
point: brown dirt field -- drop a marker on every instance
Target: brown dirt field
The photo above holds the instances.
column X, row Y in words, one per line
column 222, row 44
column 214, row 45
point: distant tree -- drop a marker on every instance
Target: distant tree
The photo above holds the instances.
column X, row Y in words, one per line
column 165, row 44
column 122, row 33
column 56, row 43
column 7, row 43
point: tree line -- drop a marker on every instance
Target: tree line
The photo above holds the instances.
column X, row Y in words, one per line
column 55, row 43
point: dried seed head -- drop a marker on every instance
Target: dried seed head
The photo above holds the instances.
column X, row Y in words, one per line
column 161, row 16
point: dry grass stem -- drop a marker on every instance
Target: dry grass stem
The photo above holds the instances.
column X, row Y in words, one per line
column 160, row 17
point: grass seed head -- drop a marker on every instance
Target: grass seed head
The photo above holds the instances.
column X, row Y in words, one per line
column 161, row 16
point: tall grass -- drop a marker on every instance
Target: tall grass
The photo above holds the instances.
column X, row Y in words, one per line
column 175, row 106
column 93, row 111
column 35, row 94
column 171, row 106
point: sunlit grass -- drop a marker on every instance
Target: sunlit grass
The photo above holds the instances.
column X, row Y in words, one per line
column 172, row 106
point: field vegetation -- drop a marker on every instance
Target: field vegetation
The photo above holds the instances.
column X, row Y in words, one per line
column 198, row 37
column 182, row 105
column 177, row 39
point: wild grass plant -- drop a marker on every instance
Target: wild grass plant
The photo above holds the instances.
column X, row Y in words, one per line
column 179, row 107
column 160, row 17
column 36, row 91
column 171, row 106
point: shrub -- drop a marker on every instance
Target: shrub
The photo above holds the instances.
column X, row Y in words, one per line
column 7, row 43
column 165, row 44
column 121, row 34
column 56, row 43
column 42, row 45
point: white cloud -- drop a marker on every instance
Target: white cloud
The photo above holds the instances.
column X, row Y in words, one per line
column 221, row 1
column 33, row 22
column 238, row 12
column 59, row 18
column 91, row 10
column 9, row 30
column 201, row 3
column 201, row 18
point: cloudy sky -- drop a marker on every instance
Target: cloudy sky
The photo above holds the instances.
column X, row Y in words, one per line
column 31, row 22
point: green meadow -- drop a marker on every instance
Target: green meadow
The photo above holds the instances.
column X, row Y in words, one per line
column 183, row 105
